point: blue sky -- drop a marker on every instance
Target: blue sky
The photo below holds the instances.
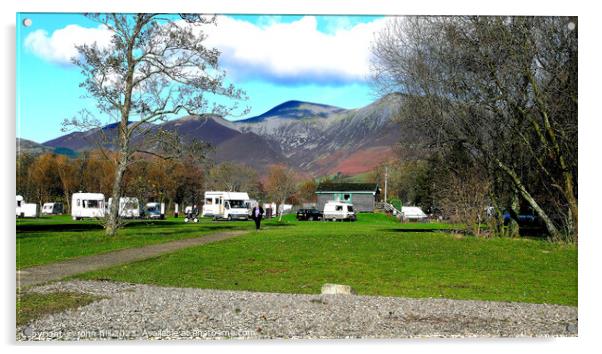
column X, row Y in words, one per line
column 322, row 59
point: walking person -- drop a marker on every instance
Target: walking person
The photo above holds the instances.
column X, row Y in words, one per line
column 257, row 214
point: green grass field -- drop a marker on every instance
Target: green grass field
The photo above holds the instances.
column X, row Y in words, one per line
column 52, row 239
column 375, row 255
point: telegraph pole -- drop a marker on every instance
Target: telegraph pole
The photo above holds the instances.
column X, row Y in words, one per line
column 386, row 176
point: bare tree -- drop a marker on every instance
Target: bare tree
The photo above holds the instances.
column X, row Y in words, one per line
column 464, row 198
column 155, row 68
column 230, row 177
column 280, row 184
column 504, row 89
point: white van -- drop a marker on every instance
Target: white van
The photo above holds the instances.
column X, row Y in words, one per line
column 339, row 211
column 412, row 213
column 155, row 210
column 52, row 209
column 226, row 205
column 128, row 207
column 25, row 210
column 87, row 205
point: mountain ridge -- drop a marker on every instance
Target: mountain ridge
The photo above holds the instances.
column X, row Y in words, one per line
column 315, row 139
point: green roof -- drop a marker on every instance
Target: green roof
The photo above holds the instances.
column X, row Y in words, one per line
column 347, row 187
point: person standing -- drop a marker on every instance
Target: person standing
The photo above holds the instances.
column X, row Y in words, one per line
column 257, row 214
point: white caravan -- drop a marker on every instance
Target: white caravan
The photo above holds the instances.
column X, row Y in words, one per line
column 339, row 211
column 412, row 213
column 52, row 209
column 25, row 210
column 87, row 205
column 128, row 207
column 226, row 205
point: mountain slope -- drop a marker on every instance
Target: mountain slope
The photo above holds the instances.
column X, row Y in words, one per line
column 314, row 139
column 320, row 143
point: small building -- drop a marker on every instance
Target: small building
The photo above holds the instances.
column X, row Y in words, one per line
column 363, row 196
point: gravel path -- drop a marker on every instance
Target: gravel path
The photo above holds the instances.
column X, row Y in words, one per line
column 150, row 312
column 55, row 271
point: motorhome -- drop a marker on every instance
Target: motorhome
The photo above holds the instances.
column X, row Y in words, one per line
column 87, row 205
column 25, row 210
column 226, row 205
column 128, row 207
column 334, row 211
column 52, row 209
column 155, row 210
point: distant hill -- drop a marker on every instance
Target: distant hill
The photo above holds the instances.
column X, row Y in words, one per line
column 315, row 139
column 33, row 148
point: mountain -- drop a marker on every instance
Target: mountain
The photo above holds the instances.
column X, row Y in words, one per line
column 295, row 110
column 33, row 148
column 315, row 139
column 346, row 141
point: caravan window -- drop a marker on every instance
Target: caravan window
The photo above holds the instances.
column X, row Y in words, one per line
column 92, row 204
column 339, row 208
column 18, row 203
column 349, row 208
column 79, row 202
column 208, row 201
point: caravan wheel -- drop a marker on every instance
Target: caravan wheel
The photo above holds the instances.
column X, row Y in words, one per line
column 185, row 219
column 229, row 217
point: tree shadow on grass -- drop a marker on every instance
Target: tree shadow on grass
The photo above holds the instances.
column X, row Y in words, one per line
column 276, row 225
column 418, row 230
column 23, row 231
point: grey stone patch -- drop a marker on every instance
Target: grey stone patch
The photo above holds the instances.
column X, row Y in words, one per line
column 151, row 312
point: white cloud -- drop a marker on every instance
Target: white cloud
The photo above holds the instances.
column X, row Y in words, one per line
column 295, row 52
column 60, row 46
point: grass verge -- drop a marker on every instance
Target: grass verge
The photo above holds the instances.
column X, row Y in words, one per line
column 31, row 305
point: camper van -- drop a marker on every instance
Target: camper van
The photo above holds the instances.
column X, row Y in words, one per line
column 226, row 205
column 52, row 209
column 25, row 210
column 339, row 211
column 87, row 205
column 128, row 207
column 155, row 210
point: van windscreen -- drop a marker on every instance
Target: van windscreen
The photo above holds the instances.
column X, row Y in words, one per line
column 237, row 204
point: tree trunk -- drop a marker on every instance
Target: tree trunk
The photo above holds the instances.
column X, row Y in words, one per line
column 554, row 233
column 112, row 223
column 67, row 201
column 281, row 210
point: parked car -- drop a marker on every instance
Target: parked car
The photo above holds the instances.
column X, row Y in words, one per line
column 309, row 214
column 339, row 211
